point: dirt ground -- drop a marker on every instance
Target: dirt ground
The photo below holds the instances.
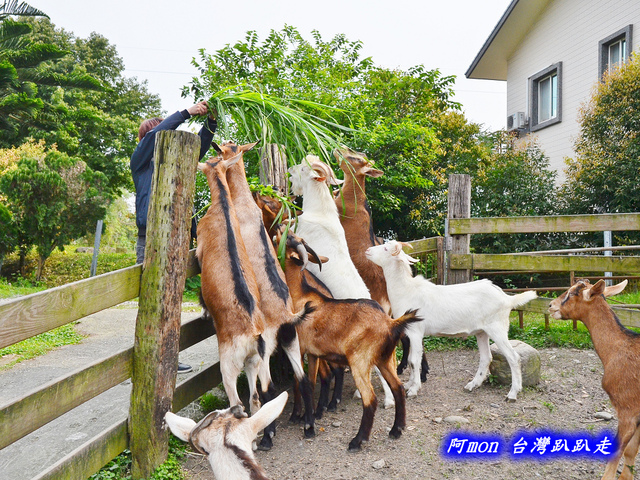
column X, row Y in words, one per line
column 566, row 400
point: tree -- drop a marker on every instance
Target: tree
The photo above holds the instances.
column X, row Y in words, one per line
column 514, row 182
column 54, row 198
column 604, row 175
column 391, row 111
column 98, row 126
column 23, row 70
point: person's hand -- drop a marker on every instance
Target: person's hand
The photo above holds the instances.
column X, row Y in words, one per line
column 200, row 108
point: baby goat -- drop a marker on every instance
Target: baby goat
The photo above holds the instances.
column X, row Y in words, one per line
column 619, row 351
column 226, row 436
column 357, row 333
column 476, row 308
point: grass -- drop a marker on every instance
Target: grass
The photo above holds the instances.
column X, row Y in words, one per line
column 560, row 334
column 120, row 467
column 39, row 345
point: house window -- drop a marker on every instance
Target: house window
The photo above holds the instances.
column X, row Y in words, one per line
column 614, row 50
column 545, row 88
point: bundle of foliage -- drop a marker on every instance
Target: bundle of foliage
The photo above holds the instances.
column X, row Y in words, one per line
column 390, row 113
column 53, row 198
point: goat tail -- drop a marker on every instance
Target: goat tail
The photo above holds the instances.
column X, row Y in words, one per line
column 399, row 325
column 300, row 317
column 522, row 298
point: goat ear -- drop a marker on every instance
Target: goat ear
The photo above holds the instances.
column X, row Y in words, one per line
column 373, row 172
column 595, row 291
column 181, row 427
column 268, row 413
column 201, row 166
column 247, row 147
column 615, row 289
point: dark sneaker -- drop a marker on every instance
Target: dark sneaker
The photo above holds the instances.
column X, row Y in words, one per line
column 184, row 368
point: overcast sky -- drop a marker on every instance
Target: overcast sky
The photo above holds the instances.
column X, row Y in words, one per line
column 157, row 39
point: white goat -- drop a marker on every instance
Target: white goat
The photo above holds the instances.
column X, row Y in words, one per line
column 477, row 308
column 226, row 437
column 319, row 225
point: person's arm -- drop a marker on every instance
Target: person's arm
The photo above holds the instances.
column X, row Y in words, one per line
column 143, row 153
column 206, row 135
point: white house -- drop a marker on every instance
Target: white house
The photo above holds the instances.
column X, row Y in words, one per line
column 552, row 53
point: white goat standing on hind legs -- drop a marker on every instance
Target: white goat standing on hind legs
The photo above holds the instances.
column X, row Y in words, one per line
column 319, row 225
column 477, row 308
column 619, row 351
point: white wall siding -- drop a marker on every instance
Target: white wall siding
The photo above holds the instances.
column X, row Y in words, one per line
column 568, row 31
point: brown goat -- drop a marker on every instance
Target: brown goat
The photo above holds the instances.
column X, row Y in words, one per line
column 229, row 287
column 274, row 299
column 272, row 212
column 353, row 332
column 619, row 351
column 355, row 217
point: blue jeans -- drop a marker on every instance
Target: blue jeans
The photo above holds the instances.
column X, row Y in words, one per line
column 142, row 240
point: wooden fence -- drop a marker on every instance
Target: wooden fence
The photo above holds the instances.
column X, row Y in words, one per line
column 460, row 262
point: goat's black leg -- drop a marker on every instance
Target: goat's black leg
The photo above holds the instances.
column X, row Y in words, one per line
column 424, row 368
column 366, row 424
column 307, row 396
column 296, row 414
column 267, row 439
column 405, row 355
column 338, row 373
column 400, row 421
column 325, row 385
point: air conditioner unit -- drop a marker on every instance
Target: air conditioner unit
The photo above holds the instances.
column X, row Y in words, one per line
column 516, row 121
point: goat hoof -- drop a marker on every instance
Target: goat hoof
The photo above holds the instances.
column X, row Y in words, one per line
column 423, row 377
column 332, row 407
column 295, row 418
column 395, row 432
column 318, row 414
column 265, row 444
column 309, row 432
column 510, row 400
column 355, row 445
column 400, row 369
column 388, row 405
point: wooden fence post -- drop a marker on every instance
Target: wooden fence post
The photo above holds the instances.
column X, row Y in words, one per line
column 157, row 334
column 273, row 167
column 459, row 200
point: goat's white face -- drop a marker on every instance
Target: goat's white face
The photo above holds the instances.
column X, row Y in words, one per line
column 388, row 252
column 299, row 175
column 226, row 435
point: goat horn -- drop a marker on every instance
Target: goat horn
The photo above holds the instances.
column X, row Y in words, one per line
column 405, row 244
column 313, row 254
column 304, row 256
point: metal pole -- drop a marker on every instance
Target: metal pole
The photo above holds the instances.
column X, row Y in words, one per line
column 96, row 248
column 608, row 243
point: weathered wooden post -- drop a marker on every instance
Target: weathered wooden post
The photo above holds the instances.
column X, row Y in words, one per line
column 459, row 199
column 157, row 334
column 273, row 167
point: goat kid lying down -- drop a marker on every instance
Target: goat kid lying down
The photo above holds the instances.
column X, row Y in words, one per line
column 226, row 437
column 477, row 308
column 619, row 350
column 350, row 332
